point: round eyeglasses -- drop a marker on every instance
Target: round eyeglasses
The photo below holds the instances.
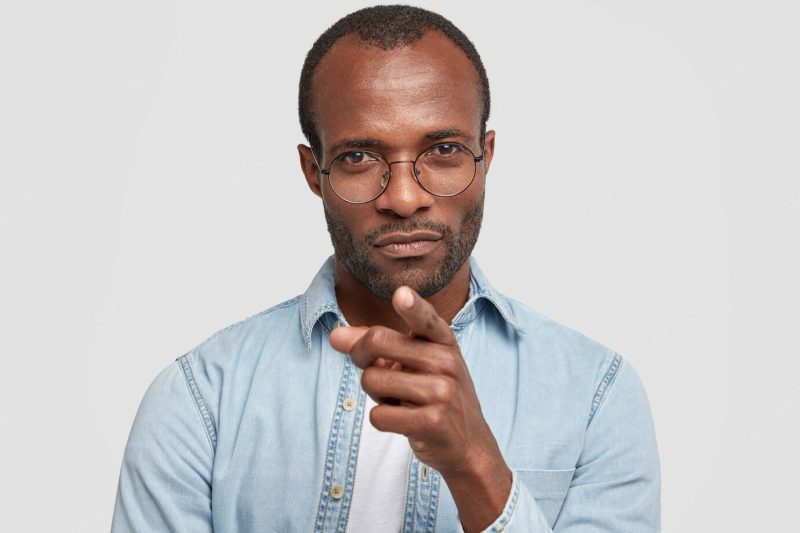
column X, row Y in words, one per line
column 444, row 169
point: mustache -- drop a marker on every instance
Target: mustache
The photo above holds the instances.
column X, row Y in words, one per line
column 405, row 227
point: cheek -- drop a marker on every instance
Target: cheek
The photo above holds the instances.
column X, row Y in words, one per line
column 471, row 200
column 471, row 218
column 354, row 218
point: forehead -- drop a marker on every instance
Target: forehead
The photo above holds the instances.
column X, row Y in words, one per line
column 395, row 95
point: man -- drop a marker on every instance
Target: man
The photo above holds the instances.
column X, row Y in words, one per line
column 400, row 391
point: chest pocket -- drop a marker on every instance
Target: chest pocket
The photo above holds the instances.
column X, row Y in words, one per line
column 548, row 488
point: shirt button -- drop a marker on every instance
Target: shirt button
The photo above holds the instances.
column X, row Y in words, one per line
column 425, row 473
column 349, row 404
column 337, row 491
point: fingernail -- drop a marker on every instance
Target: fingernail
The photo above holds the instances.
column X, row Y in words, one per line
column 406, row 298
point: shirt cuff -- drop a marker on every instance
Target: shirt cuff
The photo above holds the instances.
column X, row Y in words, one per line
column 508, row 511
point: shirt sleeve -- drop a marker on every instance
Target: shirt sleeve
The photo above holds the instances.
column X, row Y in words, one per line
column 165, row 480
column 616, row 486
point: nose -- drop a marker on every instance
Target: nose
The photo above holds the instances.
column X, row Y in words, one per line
column 403, row 195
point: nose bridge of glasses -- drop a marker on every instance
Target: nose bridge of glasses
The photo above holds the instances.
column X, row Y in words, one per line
column 389, row 164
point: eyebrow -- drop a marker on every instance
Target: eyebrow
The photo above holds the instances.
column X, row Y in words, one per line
column 451, row 132
column 363, row 142
column 368, row 142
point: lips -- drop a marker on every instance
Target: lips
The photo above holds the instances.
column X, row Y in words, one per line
column 402, row 245
column 406, row 238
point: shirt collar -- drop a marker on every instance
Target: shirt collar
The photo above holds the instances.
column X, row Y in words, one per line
column 320, row 300
column 481, row 292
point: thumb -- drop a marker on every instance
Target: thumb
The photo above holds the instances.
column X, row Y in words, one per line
column 342, row 339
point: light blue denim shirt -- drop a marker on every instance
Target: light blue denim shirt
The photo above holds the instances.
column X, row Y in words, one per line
column 257, row 429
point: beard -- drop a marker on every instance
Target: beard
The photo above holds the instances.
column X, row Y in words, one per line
column 354, row 253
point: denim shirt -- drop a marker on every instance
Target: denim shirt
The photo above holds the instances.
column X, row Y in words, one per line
column 258, row 427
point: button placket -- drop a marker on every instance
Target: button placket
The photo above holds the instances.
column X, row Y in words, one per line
column 422, row 497
column 342, row 451
column 343, row 444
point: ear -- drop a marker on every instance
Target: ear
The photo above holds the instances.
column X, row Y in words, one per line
column 488, row 150
column 310, row 169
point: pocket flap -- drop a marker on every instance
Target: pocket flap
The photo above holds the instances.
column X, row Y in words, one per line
column 548, row 488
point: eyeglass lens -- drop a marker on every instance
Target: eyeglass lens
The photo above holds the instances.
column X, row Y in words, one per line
column 444, row 170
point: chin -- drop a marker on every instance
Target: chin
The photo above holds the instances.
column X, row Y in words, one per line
column 415, row 274
column 426, row 277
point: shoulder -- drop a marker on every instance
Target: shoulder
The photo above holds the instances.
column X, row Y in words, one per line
column 559, row 341
column 583, row 369
column 583, row 382
column 239, row 342
column 192, row 384
column 240, row 345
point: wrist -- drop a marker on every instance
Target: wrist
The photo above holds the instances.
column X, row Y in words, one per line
column 480, row 489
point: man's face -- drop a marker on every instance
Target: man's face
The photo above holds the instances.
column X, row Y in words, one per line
column 398, row 103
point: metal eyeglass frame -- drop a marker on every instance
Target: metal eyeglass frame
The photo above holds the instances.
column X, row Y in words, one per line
column 476, row 158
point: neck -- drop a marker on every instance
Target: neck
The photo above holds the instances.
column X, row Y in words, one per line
column 362, row 308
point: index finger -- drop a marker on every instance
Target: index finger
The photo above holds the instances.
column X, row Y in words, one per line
column 421, row 316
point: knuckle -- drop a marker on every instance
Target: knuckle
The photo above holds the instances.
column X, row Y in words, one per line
column 418, row 445
column 435, row 419
column 442, row 389
column 450, row 365
column 431, row 320
column 377, row 336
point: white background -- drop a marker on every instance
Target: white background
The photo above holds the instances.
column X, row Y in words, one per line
column 645, row 191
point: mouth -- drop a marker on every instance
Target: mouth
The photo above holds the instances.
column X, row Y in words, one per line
column 414, row 244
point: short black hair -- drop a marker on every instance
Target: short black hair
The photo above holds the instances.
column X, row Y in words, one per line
column 386, row 27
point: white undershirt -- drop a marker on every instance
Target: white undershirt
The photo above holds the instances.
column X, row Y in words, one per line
column 379, row 490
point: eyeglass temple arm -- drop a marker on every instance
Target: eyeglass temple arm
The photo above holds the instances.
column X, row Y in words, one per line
column 321, row 170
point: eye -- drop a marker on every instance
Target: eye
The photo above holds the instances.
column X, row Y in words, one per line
column 355, row 158
column 447, row 149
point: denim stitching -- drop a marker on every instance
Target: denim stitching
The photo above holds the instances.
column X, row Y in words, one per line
column 355, row 440
column 434, row 500
column 463, row 319
column 508, row 512
column 281, row 305
column 199, row 402
column 608, row 379
column 333, row 445
column 411, row 494
column 308, row 325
